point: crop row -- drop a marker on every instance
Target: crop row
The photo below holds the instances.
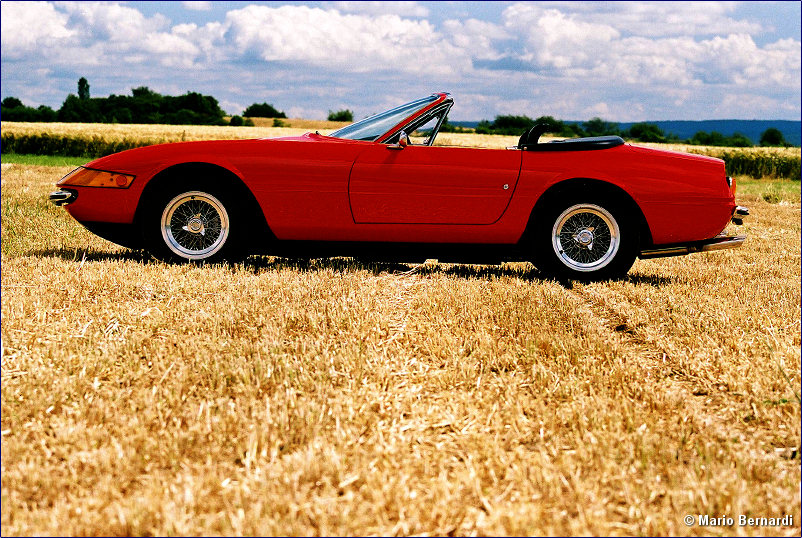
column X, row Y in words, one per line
column 92, row 141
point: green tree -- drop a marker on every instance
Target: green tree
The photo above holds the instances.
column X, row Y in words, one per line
column 738, row 140
column 599, row 127
column 512, row 125
column 645, row 132
column 46, row 113
column 13, row 109
column 263, row 110
column 83, row 89
column 11, row 102
column 75, row 109
column 715, row 138
column 770, row 137
column 235, row 121
column 341, row 115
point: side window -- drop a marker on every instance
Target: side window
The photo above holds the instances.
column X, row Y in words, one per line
column 422, row 133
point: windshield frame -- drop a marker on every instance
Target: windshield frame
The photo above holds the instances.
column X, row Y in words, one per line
column 413, row 124
column 427, row 104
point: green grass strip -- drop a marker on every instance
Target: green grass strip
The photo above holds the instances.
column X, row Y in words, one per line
column 44, row 160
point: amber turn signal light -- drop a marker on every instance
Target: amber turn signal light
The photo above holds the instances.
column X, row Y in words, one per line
column 87, row 177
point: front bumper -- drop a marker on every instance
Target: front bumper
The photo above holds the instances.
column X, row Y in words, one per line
column 63, row 197
column 720, row 242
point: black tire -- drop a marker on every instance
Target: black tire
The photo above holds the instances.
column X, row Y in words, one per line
column 194, row 220
column 586, row 237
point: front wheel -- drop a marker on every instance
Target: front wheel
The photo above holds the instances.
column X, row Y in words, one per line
column 586, row 240
column 192, row 224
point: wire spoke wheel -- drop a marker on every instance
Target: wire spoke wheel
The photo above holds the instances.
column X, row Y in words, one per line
column 586, row 237
column 194, row 225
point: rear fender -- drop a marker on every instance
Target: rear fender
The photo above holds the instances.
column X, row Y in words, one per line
column 564, row 188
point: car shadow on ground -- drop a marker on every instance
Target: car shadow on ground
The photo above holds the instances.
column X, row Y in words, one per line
column 268, row 263
column 93, row 255
column 262, row 264
column 522, row 271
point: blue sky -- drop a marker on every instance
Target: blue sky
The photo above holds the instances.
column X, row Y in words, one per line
column 622, row 61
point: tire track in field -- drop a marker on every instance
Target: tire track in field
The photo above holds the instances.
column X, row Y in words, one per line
column 619, row 325
column 399, row 305
column 709, row 405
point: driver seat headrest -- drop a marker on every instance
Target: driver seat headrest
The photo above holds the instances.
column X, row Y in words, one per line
column 530, row 137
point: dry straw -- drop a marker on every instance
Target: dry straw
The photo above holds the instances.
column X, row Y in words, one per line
column 335, row 397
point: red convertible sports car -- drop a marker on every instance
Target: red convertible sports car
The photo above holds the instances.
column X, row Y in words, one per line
column 582, row 208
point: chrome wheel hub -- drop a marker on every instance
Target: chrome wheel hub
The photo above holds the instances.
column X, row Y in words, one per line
column 585, row 237
column 195, row 225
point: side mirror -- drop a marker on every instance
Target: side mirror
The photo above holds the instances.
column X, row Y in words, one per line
column 403, row 141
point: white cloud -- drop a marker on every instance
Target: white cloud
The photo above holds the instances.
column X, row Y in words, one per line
column 112, row 21
column 652, row 19
column 619, row 60
column 586, row 44
column 28, row 26
column 405, row 9
column 197, row 6
column 556, row 40
column 476, row 37
column 306, row 112
column 327, row 39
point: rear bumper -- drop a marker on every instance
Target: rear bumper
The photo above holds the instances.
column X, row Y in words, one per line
column 719, row 242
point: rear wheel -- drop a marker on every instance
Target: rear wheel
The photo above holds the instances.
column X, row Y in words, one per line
column 586, row 239
column 193, row 224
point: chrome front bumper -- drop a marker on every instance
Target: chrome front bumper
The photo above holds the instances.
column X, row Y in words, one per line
column 739, row 214
column 720, row 242
column 63, row 197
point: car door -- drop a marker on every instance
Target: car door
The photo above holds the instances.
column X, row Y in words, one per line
column 432, row 184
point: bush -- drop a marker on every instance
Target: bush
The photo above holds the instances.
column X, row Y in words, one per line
column 645, row 132
column 599, row 127
column 263, row 110
column 714, row 138
column 278, row 123
column 341, row 115
column 772, row 137
column 516, row 125
column 236, row 121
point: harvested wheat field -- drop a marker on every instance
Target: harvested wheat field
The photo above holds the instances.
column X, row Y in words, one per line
column 335, row 397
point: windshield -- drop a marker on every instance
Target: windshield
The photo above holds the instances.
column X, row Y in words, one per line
column 373, row 127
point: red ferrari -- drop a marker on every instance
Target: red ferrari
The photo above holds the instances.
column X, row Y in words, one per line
column 581, row 208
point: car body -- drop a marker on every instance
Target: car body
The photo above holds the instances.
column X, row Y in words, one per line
column 581, row 208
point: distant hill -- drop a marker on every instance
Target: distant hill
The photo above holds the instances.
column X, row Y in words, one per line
column 752, row 129
column 791, row 130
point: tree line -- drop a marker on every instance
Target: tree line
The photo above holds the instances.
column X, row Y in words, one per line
column 641, row 132
column 142, row 106
column 146, row 106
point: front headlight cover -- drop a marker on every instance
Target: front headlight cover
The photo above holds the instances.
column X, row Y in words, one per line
column 89, row 177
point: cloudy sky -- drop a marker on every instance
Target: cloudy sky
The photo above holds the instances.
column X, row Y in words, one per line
column 622, row 61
